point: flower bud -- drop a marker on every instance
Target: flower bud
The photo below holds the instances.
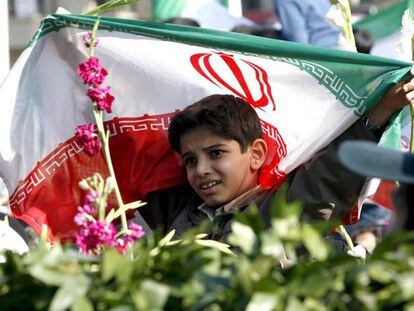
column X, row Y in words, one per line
column 84, row 185
column 110, row 184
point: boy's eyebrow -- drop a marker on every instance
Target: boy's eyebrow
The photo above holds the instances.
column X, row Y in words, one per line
column 213, row 146
column 204, row 149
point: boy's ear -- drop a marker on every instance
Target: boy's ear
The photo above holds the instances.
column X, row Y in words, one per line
column 258, row 151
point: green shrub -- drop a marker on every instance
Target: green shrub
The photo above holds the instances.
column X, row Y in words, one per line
column 197, row 274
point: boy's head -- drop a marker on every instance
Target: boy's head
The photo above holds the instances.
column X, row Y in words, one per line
column 221, row 143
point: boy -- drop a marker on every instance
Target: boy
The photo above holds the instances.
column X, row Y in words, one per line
column 221, row 144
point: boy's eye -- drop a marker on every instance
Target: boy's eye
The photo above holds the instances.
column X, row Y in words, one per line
column 216, row 153
column 189, row 161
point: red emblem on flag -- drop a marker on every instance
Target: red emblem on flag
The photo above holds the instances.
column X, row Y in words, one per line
column 203, row 63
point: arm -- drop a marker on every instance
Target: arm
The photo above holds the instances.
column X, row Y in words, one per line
column 328, row 190
column 397, row 97
column 293, row 21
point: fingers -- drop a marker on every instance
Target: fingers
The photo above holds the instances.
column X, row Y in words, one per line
column 409, row 86
column 409, row 97
column 408, row 92
column 412, row 71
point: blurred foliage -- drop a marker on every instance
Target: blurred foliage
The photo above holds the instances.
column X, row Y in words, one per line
column 188, row 274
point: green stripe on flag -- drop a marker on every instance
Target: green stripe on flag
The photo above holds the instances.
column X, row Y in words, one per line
column 392, row 135
column 164, row 9
column 385, row 22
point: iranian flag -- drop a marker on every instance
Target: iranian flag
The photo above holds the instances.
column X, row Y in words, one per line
column 305, row 97
column 213, row 14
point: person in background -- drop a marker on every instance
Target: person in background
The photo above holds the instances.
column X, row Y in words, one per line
column 266, row 32
column 304, row 21
column 369, row 160
column 182, row 21
column 374, row 219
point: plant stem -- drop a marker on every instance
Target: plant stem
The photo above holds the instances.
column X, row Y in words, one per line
column 105, row 142
column 93, row 38
column 112, row 174
column 412, row 129
column 347, row 238
column 110, row 5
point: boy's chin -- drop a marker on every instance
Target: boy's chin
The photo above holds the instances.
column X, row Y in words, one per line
column 216, row 202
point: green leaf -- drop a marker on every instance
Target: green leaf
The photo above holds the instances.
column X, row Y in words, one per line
column 272, row 246
column 167, row 238
column 201, row 236
column 381, row 273
column 409, row 307
column 314, row 242
column 312, row 304
column 47, row 275
column 281, row 208
column 74, row 288
column 110, row 5
column 222, row 247
column 116, row 265
column 262, row 302
column 242, row 236
column 406, row 284
column 293, row 304
column 126, row 207
column 151, row 295
column 82, row 304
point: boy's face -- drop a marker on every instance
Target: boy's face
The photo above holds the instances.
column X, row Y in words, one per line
column 216, row 168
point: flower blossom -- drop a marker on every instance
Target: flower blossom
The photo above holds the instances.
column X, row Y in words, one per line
column 87, row 209
column 87, row 38
column 135, row 233
column 86, row 137
column 102, row 97
column 92, row 72
column 93, row 236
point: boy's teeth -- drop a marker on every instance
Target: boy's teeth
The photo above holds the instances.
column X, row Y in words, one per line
column 210, row 184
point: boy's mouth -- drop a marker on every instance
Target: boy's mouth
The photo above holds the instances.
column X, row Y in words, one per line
column 209, row 185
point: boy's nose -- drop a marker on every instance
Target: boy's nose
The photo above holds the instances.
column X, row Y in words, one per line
column 203, row 167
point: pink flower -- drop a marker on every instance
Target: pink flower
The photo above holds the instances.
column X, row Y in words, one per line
column 85, row 132
column 91, row 197
column 86, row 137
column 92, row 72
column 81, row 218
column 88, row 208
column 87, row 37
column 102, row 97
column 94, row 236
column 136, row 232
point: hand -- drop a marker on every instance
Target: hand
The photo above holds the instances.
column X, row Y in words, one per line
column 395, row 98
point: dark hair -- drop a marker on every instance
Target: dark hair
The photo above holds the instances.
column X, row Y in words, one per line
column 225, row 115
column 182, row 21
column 363, row 41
